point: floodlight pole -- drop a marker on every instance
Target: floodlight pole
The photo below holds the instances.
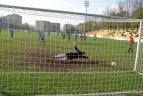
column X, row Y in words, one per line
column 86, row 4
column 138, row 47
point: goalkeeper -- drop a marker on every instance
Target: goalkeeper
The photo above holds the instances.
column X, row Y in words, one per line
column 70, row 56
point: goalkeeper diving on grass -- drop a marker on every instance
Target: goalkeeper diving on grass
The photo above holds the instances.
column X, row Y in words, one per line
column 70, row 56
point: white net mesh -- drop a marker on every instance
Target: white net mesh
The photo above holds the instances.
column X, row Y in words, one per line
column 38, row 54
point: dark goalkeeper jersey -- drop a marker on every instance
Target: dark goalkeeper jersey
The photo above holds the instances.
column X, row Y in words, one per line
column 75, row 55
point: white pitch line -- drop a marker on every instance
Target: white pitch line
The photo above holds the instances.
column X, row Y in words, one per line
column 140, row 73
column 98, row 94
column 112, row 72
column 113, row 93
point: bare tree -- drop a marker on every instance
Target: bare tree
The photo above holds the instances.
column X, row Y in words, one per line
column 128, row 8
column 110, row 12
column 137, row 9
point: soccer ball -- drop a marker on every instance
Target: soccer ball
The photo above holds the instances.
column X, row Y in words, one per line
column 113, row 63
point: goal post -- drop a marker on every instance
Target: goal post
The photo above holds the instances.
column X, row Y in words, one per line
column 138, row 46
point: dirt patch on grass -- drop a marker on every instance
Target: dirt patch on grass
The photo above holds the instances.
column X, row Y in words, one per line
column 44, row 60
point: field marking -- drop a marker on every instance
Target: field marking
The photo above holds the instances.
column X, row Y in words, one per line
column 98, row 94
column 140, row 73
column 113, row 72
column 113, row 93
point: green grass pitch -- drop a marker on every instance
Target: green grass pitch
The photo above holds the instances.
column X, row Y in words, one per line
column 25, row 71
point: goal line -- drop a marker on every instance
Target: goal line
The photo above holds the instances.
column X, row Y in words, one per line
column 112, row 72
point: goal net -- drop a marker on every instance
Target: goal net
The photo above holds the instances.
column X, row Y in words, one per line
column 51, row 52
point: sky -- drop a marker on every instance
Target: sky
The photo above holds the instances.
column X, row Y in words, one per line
column 95, row 6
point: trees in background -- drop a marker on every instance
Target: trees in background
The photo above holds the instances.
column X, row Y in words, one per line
column 137, row 9
column 88, row 26
column 27, row 26
column 128, row 8
column 69, row 28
